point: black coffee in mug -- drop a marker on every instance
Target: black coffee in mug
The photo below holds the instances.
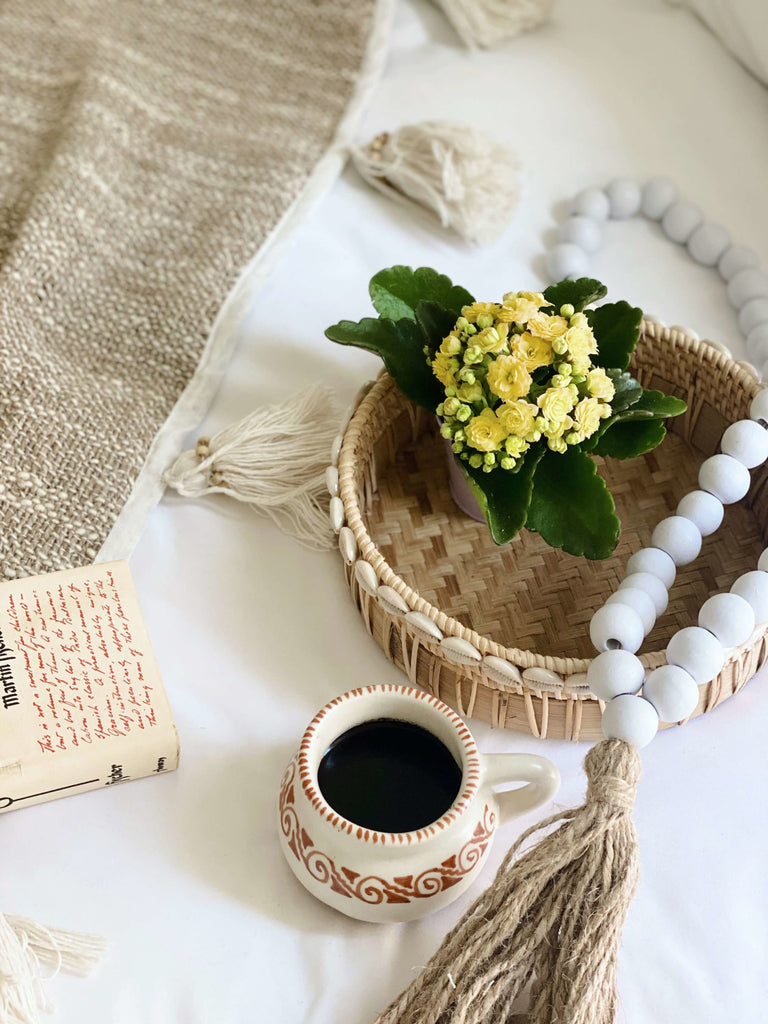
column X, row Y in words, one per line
column 389, row 775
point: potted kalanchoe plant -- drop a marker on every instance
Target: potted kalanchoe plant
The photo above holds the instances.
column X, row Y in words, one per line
column 528, row 390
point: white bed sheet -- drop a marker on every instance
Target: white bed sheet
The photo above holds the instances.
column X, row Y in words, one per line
column 183, row 873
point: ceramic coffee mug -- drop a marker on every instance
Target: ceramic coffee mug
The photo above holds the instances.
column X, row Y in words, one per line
column 399, row 876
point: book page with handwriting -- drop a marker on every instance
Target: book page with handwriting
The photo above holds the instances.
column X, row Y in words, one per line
column 82, row 703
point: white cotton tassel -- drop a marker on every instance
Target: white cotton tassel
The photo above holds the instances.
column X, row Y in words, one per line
column 275, row 460
column 490, row 22
column 467, row 178
column 31, row 954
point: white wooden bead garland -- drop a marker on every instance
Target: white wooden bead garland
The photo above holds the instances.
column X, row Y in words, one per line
column 709, row 244
column 696, row 654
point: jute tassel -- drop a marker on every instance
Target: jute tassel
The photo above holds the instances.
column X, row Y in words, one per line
column 467, row 178
column 490, row 22
column 275, row 460
column 551, row 919
column 31, row 954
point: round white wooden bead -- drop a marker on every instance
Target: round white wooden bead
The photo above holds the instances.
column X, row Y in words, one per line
column 749, row 283
column 753, row 587
column 679, row 537
column 616, row 627
column 629, row 718
column 656, row 562
column 747, row 442
column 615, row 672
column 658, row 196
column 582, row 231
column 734, row 259
column 672, row 691
column 763, row 561
column 698, row 651
column 681, row 220
column 708, row 243
column 703, row 509
column 729, row 617
column 639, row 601
column 624, row 198
column 592, row 202
column 724, row 477
column 565, row 260
column 757, row 343
column 752, row 314
column 758, row 410
column 652, row 586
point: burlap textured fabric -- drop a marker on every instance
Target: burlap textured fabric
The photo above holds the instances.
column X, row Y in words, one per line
column 147, row 150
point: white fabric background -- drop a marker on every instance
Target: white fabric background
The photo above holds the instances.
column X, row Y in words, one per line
column 183, row 873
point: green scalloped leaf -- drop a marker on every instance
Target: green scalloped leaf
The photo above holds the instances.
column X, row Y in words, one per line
column 435, row 322
column 579, row 293
column 627, row 440
column 401, row 346
column 616, row 326
column 571, row 506
column 628, row 391
column 504, row 497
column 656, row 403
column 397, row 291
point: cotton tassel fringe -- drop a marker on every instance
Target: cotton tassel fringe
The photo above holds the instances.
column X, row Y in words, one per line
column 275, row 460
column 487, row 23
column 30, row 955
column 550, row 920
column 467, row 178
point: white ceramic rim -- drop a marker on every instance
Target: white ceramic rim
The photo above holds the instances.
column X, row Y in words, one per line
column 471, row 768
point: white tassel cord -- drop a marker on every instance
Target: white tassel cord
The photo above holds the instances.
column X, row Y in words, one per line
column 31, row 954
column 275, row 460
column 490, row 22
column 467, row 178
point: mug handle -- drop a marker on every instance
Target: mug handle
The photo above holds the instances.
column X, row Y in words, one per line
column 541, row 776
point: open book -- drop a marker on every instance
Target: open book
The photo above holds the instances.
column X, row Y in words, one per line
column 82, row 704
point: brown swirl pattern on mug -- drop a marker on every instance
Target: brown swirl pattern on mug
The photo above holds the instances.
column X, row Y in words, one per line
column 373, row 889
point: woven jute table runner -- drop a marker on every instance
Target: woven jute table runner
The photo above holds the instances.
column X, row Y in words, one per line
column 147, row 152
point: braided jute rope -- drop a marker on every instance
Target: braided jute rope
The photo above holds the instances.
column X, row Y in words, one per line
column 551, row 919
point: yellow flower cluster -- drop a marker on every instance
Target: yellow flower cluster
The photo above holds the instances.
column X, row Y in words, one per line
column 516, row 373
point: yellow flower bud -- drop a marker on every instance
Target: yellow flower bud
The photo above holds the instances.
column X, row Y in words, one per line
column 532, row 351
column 548, row 327
column 478, row 309
column 556, row 403
column 518, row 417
column 600, row 385
column 508, row 378
column 443, row 367
column 485, row 432
column 472, row 392
column 587, row 416
column 490, row 339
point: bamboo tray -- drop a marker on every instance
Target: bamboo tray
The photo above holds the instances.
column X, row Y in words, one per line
column 502, row 633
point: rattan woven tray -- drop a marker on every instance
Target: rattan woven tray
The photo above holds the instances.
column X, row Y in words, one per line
column 502, row 633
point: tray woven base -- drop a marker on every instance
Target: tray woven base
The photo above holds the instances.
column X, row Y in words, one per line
column 527, row 603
